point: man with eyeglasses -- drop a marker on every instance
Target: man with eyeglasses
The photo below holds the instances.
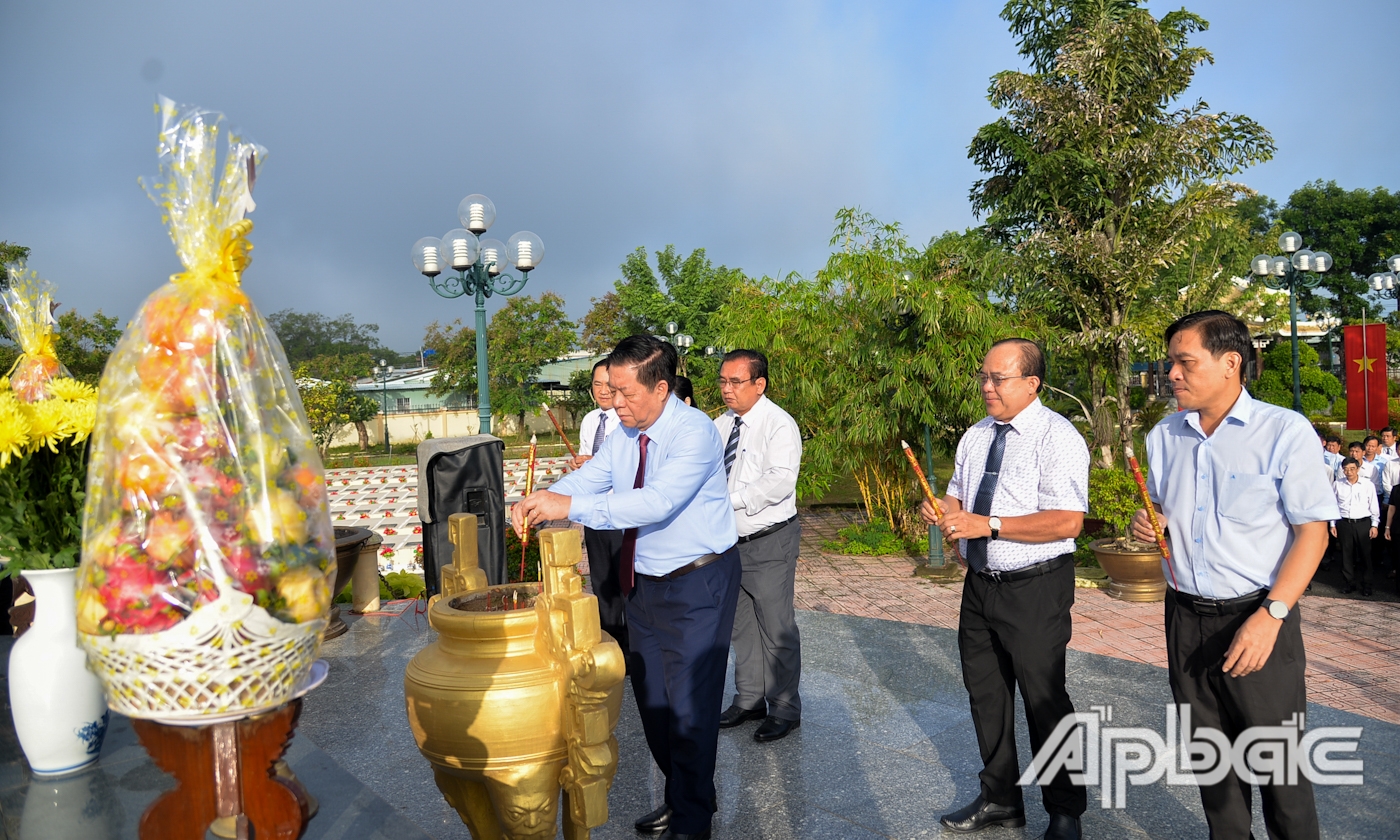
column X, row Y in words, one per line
column 1017, row 500
column 762, row 455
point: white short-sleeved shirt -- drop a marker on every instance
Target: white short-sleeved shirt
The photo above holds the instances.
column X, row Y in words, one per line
column 1045, row 466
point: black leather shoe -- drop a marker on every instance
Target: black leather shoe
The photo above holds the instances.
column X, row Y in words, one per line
column 1347, row 590
column 1366, row 591
column 733, row 716
column 671, row 835
column 774, row 728
column 1062, row 827
column 655, row 822
column 981, row 814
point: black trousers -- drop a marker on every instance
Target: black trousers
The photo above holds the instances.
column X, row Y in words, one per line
column 604, row 557
column 680, row 631
column 1196, row 647
column 1354, row 538
column 1013, row 635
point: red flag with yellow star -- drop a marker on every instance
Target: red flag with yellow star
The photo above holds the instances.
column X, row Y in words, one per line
column 1363, row 347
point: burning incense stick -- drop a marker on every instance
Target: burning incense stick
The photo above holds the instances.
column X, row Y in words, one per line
column 923, row 479
column 1152, row 516
column 560, row 429
column 529, row 488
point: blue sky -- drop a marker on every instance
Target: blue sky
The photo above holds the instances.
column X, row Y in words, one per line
column 738, row 127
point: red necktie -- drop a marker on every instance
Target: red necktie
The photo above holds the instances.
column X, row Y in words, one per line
column 629, row 537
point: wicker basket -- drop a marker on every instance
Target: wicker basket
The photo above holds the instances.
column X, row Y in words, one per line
column 228, row 658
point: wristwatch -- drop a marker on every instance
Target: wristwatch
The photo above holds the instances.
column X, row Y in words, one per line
column 1277, row 609
column 994, row 522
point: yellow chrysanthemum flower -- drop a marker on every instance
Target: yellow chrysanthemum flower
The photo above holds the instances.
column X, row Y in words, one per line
column 72, row 389
column 14, row 432
column 48, row 424
column 82, row 416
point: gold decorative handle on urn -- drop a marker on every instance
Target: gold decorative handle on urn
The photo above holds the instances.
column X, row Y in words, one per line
column 515, row 703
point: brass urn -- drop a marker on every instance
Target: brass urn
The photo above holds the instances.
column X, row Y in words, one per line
column 1134, row 569
column 516, row 702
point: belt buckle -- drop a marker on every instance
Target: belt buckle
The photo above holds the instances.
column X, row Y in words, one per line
column 1208, row 608
column 994, row 574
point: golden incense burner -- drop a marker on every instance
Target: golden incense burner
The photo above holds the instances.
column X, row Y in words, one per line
column 516, row 702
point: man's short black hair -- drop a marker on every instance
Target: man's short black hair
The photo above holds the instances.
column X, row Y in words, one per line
column 1356, row 444
column 1220, row 332
column 603, row 362
column 685, row 388
column 1334, row 438
column 1368, row 439
column 757, row 362
column 654, row 359
column 1390, row 429
column 1352, row 461
column 1032, row 358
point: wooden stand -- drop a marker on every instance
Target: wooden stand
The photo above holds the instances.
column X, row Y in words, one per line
column 225, row 770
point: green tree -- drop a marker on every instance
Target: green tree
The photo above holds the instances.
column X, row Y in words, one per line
column 454, row 347
column 687, row 290
column 11, row 253
column 83, row 344
column 862, row 357
column 580, row 399
column 607, row 323
column 1097, row 175
column 1275, row 384
column 1359, row 228
column 308, row 335
column 523, row 335
column 325, row 404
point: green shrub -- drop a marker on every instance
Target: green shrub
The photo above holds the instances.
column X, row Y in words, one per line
column 396, row 586
column 874, row 539
column 1114, row 498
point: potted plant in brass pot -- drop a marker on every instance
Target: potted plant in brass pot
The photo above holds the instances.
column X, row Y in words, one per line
column 1134, row 568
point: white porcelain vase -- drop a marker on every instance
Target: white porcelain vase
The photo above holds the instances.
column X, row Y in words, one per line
column 59, row 710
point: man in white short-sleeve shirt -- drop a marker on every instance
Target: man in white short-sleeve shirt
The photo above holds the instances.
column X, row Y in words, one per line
column 1017, row 500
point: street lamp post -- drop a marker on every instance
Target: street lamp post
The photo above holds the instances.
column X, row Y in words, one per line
column 1383, row 283
column 1300, row 270
column 382, row 373
column 478, row 263
column 680, row 341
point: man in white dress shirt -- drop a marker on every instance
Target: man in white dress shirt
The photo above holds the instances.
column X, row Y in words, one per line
column 604, row 546
column 1357, row 527
column 1017, row 499
column 1388, row 448
column 1246, row 513
column 762, row 454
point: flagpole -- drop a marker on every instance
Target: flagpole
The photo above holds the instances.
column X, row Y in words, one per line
column 1365, row 371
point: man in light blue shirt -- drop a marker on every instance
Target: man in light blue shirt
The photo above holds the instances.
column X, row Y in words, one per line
column 1246, row 511
column 679, row 568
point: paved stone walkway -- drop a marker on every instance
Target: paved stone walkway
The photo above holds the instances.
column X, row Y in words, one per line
column 1353, row 645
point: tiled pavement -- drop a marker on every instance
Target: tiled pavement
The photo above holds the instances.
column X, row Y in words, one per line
column 1353, row 645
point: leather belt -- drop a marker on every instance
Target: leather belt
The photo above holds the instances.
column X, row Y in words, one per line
column 771, row 529
column 1037, row 570
column 697, row 563
column 1212, row 606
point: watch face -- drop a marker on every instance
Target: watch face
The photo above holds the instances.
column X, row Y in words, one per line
column 994, row 522
column 1278, row 610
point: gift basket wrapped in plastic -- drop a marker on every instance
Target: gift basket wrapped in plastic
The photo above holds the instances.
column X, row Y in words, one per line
column 206, row 537
column 26, row 312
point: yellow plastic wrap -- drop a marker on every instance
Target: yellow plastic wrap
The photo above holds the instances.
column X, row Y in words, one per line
column 26, row 310
column 206, row 537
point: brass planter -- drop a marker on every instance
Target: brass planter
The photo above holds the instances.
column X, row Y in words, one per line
column 1134, row 574
column 515, row 708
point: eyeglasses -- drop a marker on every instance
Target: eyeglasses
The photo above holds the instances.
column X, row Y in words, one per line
column 734, row 383
column 996, row 379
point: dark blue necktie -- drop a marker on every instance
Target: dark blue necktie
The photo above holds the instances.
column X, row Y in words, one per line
column 731, row 448
column 982, row 505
